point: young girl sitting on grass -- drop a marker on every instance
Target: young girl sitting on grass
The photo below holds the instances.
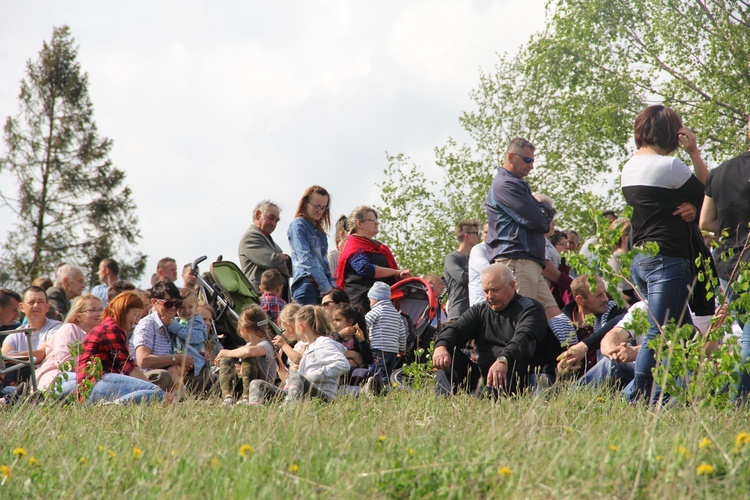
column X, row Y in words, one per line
column 293, row 354
column 322, row 363
column 349, row 323
column 257, row 357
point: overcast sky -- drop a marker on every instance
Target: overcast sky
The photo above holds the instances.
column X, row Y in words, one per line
column 213, row 106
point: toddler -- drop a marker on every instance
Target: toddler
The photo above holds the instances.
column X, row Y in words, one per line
column 271, row 284
column 387, row 332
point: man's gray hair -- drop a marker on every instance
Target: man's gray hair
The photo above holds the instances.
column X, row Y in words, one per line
column 518, row 144
column 67, row 271
column 264, row 205
column 499, row 268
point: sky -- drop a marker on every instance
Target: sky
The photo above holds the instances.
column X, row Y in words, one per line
column 213, row 106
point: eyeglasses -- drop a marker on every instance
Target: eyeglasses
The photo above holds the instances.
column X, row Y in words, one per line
column 318, row 208
column 371, row 220
column 472, row 232
column 526, row 159
column 170, row 304
column 97, row 310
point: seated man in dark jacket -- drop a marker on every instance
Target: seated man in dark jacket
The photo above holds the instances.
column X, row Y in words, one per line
column 508, row 331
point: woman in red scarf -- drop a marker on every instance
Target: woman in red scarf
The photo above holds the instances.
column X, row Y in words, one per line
column 363, row 261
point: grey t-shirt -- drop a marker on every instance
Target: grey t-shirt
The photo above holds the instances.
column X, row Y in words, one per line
column 456, row 270
column 267, row 363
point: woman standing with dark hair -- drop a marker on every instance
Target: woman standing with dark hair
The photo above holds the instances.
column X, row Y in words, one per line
column 665, row 195
column 121, row 381
column 311, row 278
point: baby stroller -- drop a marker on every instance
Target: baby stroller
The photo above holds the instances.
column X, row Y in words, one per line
column 418, row 304
column 226, row 288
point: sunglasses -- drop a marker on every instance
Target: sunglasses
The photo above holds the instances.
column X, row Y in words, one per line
column 170, row 304
column 526, row 159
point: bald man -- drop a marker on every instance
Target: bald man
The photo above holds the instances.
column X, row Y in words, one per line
column 510, row 333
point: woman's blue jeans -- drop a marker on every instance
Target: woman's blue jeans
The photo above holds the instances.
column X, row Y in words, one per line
column 664, row 282
column 304, row 292
column 124, row 389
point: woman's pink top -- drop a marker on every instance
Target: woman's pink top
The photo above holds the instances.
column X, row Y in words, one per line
column 58, row 352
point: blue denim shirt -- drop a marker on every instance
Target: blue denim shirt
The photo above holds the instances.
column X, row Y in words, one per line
column 309, row 249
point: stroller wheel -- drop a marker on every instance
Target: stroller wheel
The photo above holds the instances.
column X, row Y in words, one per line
column 406, row 382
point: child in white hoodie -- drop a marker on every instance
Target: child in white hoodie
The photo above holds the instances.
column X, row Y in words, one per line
column 323, row 362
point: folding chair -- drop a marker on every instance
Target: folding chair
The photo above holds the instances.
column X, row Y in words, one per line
column 9, row 364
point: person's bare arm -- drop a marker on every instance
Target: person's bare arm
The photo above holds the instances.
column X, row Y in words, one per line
column 709, row 220
column 612, row 340
column 146, row 359
column 550, row 271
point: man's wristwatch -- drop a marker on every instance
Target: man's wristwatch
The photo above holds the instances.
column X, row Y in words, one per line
column 174, row 358
column 502, row 359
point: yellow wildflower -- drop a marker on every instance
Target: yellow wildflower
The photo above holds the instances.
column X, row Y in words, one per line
column 33, row 462
column 215, row 462
column 411, row 452
column 613, row 447
column 83, row 461
column 705, row 444
column 684, row 452
column 381, row 438
column 19, row 452
column 704, row 469
column 5, row 471
column 658, row 458
column 111, row 454
column 568, row 429
column 293, row 468
column 245, row 450
column 137, row 453
column 504, row 471
column 742, row 439
column 100, row 448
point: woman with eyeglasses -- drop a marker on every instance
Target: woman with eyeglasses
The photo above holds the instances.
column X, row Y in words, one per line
column 120, row 380
column 84, row 314
column 364, row 260
column 311, row 278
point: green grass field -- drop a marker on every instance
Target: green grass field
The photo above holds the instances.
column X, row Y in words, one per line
column 406, row 445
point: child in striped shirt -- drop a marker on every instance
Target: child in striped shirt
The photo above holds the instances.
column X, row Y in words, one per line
column 387, row 332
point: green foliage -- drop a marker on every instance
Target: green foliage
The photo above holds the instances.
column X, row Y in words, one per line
column 417, row 219
column 421, row 372
column 71, row 204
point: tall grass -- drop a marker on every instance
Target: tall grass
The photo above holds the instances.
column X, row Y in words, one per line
column 575, row 443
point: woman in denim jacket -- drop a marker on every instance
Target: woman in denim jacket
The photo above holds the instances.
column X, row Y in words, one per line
column 311, row 278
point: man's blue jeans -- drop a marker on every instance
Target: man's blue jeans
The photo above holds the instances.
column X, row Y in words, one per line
column 664, row 282
column 744, row 383
column 124, row 389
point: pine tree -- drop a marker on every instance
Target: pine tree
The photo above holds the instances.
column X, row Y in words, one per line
column 72, row 204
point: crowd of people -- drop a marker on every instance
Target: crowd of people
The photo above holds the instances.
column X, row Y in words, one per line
column 516, row 315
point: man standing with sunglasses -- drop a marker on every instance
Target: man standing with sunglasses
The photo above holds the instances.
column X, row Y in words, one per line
column 152, row 341
column 518, row 223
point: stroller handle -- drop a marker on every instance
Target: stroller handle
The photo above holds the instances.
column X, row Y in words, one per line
column 194, row 266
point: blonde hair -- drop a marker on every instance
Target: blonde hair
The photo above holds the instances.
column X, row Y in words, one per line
column 358, row 215
column 254, row 319
column 76, row 307
column 289, row 313
column 316, row 319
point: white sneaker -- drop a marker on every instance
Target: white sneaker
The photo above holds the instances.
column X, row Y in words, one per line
column 228, row 401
